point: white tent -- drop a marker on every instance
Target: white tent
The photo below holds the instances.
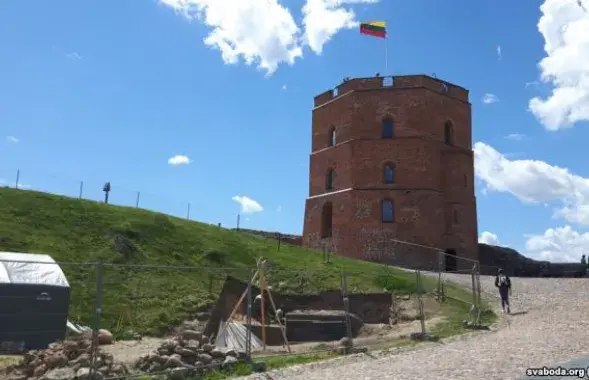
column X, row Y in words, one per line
column 27, row 268
column 35, row 298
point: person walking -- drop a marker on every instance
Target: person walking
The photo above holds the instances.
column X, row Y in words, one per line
column 503, row 283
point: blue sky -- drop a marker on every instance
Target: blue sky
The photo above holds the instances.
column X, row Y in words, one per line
column 114, row 90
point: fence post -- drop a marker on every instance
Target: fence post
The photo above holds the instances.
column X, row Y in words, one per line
column 346, row 300
column 478, row 274
column 97, row 317
column 81, row 188
column 420, row 301
column 440, row 266
column 17, row 178
column 248, row 332
column 137, row 200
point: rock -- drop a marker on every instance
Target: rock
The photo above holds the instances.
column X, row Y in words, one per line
column 104, row 337
column 192, row 345
column 40, row 370
column 57, row 360
column 217, row 353
column 231, row 352
column 59, row 374
column 229, row 361
column 178, row 374
column 174, row 361
column 17, row 376
column 207, row 347
column 184, row 351
column 154, row 367
column 83, row 374
column 83, row 360
column 160, row 359
column 205, row 358
column 192, row 335
column 346, row 342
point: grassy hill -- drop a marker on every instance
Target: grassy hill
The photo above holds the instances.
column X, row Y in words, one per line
column 153, row 300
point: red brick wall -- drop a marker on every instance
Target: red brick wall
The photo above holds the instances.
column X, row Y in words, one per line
column 434, row 190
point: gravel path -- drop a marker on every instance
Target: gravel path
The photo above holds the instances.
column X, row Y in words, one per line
column 554, row 330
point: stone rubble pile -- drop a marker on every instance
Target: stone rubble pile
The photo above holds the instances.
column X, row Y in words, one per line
column 189, row 353
column 68, row 360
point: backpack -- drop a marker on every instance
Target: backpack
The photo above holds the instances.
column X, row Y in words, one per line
column 502, row 280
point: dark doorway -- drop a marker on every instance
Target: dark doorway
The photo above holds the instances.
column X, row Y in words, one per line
column 451, row 262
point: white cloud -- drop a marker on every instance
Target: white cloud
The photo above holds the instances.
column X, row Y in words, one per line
column 499, row 54
column 533, row 83
column 490, row 98
column 534, row 181
column 561, row 244
column 324, row 18
column 265, row 33
column 179, row 159
column 248, row 205
column 564, row 24
column 279, row 209
column 74, row 55
column 12, row 139
column 515, row 136
column 284, row 88
column 489, row 238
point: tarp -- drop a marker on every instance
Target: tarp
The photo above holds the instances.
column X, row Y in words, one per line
column 234, row 337
column 27, row 268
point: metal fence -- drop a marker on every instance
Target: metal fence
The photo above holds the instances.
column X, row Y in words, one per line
column 117, row 195
column 465, row 273
column 189, row 320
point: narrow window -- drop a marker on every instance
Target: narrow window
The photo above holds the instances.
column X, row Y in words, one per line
column 455, row 216
column 389, row 173
column 329, row 179
column 465, row 179
column 326, row 220
column 331, row 141
column 448, row 133
column 388, row 212
column 388, row 129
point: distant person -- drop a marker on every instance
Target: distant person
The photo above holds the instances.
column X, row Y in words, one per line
column 503, row 282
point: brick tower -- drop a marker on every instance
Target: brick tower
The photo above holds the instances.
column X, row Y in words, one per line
column 392, row 161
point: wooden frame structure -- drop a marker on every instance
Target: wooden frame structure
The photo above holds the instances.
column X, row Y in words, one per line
column 261, row 273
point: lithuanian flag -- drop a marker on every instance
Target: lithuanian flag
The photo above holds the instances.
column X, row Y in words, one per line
column 374, row 28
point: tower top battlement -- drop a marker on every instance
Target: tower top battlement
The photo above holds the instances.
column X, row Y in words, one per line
column 392, row 83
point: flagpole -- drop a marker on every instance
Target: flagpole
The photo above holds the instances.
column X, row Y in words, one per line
column 386, row 55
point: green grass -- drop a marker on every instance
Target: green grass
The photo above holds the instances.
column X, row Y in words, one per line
column 151, row 302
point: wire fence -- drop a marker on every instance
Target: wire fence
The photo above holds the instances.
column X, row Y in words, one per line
column 185, row 321
column 116, row 195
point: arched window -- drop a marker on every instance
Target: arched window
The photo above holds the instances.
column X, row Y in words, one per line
column 329, row 179
column 326, row 220
column 332, row 140
column 448, row 133
column 388, row 128
column 389, row 173
column 388, row 211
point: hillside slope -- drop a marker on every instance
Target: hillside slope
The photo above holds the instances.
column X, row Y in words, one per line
column 154, row 300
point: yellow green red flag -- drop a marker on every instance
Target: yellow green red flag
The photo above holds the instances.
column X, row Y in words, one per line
column 374, row 28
